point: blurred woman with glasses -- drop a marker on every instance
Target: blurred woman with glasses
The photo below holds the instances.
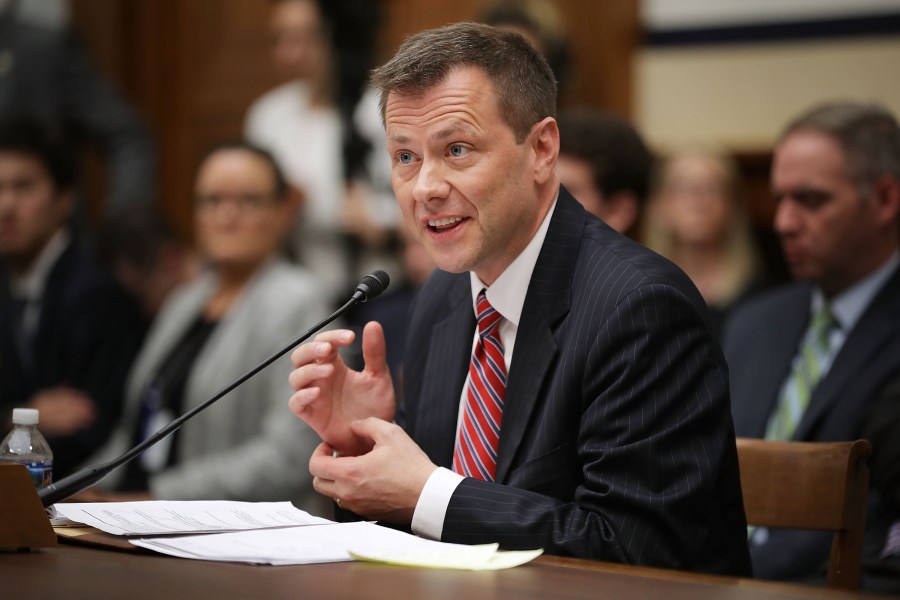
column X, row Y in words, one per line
column 247, row 304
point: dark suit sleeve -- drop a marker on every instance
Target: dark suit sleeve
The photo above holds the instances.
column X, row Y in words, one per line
column 652, row 456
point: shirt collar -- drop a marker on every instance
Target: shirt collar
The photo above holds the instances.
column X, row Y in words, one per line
column 30, row 286
column 507, row 293
column 849, row 305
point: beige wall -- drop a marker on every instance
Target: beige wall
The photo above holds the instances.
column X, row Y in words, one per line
column 740, row 96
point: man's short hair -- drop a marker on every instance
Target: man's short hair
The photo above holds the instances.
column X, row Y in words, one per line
column 28, row 136
column 618, row 158
column 524, row 82
column 867, row 133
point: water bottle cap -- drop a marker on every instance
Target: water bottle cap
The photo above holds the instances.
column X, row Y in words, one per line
column 25, row 416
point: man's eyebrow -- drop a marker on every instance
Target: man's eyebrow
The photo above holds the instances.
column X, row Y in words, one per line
column 440, row 135
column 449, row 131
column 397, row 139
column 801, row 192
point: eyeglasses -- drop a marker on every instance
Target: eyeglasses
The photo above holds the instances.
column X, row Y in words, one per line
column 243, row 202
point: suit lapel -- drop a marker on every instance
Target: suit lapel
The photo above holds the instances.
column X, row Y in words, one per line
column 445, row 374
column 869, row 337
column 783, row 342
column 165, row 333
column 546, row 302
column 45, row 339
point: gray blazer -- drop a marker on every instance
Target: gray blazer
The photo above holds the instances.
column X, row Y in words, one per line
column 248, row 446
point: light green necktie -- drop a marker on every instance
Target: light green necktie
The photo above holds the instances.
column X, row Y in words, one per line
column 805, row 374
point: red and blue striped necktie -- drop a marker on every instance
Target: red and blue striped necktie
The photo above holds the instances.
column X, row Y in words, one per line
column 479, row 433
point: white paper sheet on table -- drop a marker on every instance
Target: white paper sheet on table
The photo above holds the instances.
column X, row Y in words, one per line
column 160, row 517
column 275, row 533
column 332, row 543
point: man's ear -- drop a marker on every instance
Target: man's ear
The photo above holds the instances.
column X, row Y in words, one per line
column 65, row 199
column 887, row 195
column 544, row 141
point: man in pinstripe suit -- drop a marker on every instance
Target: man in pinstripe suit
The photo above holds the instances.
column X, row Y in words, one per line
column 616, row 441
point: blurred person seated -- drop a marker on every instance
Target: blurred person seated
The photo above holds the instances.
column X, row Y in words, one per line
column 145, row 256
column 324, row 127
column 68, row 333
column 605, row 164
column 247, row 303
column 46, row 74
column 696, row 218
column 807, row 360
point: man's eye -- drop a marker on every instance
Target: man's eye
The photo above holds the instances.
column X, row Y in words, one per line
column 24, row 186
column 404, row 158
column 457, row 150
column 812, row 199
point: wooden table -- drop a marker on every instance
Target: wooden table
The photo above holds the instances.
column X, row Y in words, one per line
column 72, row 572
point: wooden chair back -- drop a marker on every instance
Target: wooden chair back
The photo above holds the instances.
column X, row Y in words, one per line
column 810, row 485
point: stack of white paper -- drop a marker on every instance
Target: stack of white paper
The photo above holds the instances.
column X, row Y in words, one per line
column 161, row 517
column 275, row 533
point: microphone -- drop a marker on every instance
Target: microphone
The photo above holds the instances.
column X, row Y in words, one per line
column 370, row 287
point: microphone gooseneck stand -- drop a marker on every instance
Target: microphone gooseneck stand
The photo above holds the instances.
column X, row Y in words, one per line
column 371, row 286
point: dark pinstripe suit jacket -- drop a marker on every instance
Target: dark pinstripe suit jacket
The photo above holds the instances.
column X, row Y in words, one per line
column 760, row 342
column 616, row 441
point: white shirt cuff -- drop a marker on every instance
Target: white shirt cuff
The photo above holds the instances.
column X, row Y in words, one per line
column 428, row 518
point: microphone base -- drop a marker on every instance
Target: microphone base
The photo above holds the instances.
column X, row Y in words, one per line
column 23, row 520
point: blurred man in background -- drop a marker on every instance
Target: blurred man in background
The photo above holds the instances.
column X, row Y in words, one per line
column 808, row 359
column 605, row 164
column 68, row 333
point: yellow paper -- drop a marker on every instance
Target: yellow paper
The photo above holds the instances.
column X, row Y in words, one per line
column 483, row 557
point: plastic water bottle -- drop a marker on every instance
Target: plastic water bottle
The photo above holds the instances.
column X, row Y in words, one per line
column 27, row 446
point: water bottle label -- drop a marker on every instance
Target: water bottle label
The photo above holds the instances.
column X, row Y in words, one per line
column 41, row 474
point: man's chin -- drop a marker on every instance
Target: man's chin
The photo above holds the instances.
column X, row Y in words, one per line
column 450, row 264
column 803, row 272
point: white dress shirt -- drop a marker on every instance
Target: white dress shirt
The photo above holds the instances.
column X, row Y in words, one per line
column 507, row 296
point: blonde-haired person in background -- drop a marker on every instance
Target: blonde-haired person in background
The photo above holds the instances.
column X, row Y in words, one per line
column 696, row 218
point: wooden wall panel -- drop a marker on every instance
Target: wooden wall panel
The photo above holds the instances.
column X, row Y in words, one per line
column 603, row 37
column 192, row 67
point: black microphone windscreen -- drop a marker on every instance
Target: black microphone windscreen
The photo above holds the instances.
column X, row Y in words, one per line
column 373, row 284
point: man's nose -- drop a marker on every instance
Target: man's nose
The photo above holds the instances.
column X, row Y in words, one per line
column 431, row 182
column 7, row 198
column 787, row 218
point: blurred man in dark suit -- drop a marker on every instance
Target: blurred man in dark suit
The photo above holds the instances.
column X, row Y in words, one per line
column 807, row 359
column 67, row 332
